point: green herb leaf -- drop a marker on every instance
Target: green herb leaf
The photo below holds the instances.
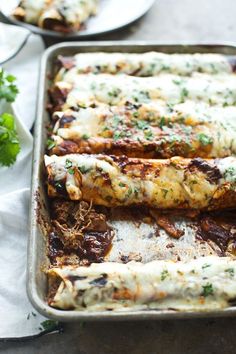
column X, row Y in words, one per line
column 59, row 185
column 9, row 143
column 162, row 122
column 117, row 135
column 205, row 266
column 50, row 144
column 8, row 89
column 84, row 169
column 114, row 93
column 49, row 325
column 129, row 192
column 148, row 134
column 230, row 271
column 184, row 94
column 207, row 290
column 68, row 164
column 71, row 171
column 141, row 124
column 164, row 274
column 177, row 81
column 85, row 136
column 164, row 192
column 204, row 139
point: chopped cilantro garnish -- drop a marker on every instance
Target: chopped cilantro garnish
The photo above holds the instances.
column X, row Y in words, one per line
column 184, row 94
column 71, row 171
column 116, row 121
column 114, row 93
column 49, row 325
column 121, row 184
column 164, row 192
column 230, row 173
column 204, row 139
column 164, row 274
column 9, row 143
column 68, row 164
column 85, row 136
column 230, row 271
column 205, row 266
column 141, row 124
column 59, row 185
column 148, row 134
column 177, row 81
column 50, row 144
column 105, row 128
column 162, row 122
column 84, row 169
column 207, row 290
column 129, row 192
column 117, row 135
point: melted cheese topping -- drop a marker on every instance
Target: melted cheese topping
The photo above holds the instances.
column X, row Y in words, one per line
column 33, row 9
column 155, row 183
column 118, row 89
column 208, row 138
column 150, row 63
column 73, row 12
column 207, row 283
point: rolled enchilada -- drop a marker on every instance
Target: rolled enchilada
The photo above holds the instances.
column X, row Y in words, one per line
column 146, row 131
column 90, row 89
column 145, row 64
column 207, row 283
column 58, row 15
column 120, row 181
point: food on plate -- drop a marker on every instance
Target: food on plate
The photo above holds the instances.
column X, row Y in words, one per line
column 57, row 15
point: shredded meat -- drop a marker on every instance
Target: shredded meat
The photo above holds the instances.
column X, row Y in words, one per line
column 66, row 62
column 79, row 229
column 57, row 98
column 212, row 172
column 220, row 235
column 165, row 222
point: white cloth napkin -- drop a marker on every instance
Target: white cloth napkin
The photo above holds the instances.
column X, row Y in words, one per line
column 18, row 317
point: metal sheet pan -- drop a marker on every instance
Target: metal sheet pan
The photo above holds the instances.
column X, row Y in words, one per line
column 39, row 215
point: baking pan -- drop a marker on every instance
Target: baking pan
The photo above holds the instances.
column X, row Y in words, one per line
column 39, row 215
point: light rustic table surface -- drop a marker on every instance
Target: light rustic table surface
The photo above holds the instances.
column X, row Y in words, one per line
column 168, row 21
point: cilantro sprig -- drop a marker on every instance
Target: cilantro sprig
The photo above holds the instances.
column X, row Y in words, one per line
column 8, row 89
column 9, row 143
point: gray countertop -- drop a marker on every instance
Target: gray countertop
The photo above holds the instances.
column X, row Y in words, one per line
column 168, row 21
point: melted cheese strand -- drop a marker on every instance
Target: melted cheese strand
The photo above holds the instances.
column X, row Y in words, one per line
column 207, row 283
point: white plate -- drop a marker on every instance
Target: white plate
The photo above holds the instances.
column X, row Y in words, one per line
column 112, row 15
column 12, row 40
